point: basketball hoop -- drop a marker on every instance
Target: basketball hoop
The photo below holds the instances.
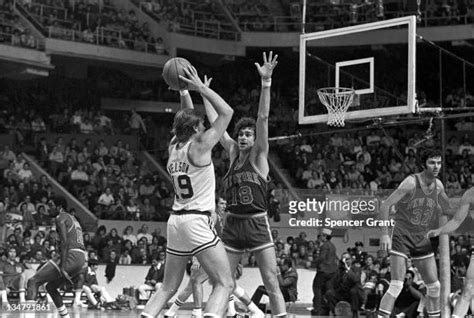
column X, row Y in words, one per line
column 337, row 100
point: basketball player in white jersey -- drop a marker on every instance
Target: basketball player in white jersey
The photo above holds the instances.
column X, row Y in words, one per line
column 198, row 277
column 189, row 230
column 460, row 310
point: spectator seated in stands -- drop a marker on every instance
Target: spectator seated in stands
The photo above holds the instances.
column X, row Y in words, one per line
column 12, row 276
column 91, row 287
column 154, row 277
column 407, row 302
column 347, row 285
column 139, row 253
column 288, row 281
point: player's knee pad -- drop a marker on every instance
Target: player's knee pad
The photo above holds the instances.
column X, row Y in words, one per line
column 433, row 289
column 395, row 288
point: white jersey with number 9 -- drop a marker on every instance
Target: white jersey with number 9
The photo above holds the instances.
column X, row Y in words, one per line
column 194, row 186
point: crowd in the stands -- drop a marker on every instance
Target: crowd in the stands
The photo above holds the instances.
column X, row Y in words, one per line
column 96, row 23
column 285, row 15
column 13, row 31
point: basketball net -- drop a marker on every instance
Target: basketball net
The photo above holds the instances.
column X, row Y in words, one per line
column 337, row 100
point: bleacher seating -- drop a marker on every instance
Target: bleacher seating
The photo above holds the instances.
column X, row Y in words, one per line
column 100, row 24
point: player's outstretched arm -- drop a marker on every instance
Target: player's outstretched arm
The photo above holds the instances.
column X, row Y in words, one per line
column 265, row 71
column 224, row 112
column 229, row 144
column 466, row 200
column 407, row 186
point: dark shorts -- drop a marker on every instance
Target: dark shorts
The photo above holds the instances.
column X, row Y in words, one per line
column 74, row 264
column 247, row 233
column 416, row 246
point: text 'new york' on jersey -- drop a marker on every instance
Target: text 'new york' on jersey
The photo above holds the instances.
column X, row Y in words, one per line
column 418, row 212
column 245, row 189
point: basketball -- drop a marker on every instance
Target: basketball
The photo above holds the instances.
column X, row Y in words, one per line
column 171, row 71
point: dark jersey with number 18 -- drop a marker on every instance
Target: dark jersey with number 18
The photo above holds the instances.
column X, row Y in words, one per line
column 245, row 189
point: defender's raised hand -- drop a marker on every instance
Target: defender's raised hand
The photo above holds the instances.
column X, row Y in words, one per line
column 269, row 64
column 207, row 81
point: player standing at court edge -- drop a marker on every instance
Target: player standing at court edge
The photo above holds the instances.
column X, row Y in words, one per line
column 460, row 310
column 72, row 261
column 189, row 229
column 246, row 227
column 417, row 200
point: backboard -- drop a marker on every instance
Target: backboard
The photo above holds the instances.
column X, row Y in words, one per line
column 377, row 60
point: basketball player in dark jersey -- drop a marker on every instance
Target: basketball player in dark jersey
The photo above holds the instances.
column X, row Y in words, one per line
column 418, row 200
column 467, row 200
column 72, row 257
column 246, row 227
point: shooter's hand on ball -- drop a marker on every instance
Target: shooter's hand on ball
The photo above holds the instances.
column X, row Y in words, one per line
column 269, row 64
column 192, row 79
column 385, row 242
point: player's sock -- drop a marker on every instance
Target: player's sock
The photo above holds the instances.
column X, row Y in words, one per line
column 383, row 313
column 21, row 294
column 231, row 306
column 197, row 313
column 77, row 297
column 174, row 308
column 3, row 293
column 253, row 308
column 434, row 314
column 145, row 315
column 63, row 312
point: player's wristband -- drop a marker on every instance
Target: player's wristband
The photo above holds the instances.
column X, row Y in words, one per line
column 266, row 82
column 183, row 92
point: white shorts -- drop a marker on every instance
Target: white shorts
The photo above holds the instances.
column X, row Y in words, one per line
column 190, row 234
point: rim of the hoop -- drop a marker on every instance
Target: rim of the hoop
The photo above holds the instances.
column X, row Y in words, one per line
column 335, row 90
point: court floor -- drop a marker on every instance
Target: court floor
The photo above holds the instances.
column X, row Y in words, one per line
column 294, row 312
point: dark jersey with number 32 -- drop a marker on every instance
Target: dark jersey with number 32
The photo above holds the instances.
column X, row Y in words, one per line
column 245, row 189
column 73, row 231
column 417, row 213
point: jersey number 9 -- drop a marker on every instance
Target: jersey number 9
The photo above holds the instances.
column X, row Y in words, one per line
column 183, row 187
